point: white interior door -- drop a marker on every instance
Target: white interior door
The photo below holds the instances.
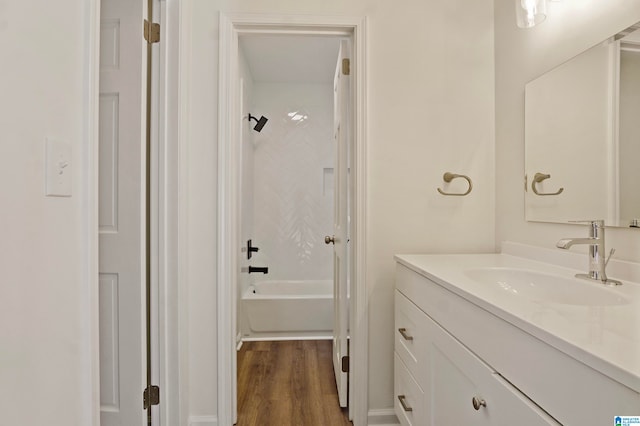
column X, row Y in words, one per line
column 121, row 213
column 340, row 228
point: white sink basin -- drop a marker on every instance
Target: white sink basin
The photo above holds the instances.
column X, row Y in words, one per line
column 541, row 287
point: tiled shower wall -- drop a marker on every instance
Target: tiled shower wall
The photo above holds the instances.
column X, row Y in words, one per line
column 293, row 180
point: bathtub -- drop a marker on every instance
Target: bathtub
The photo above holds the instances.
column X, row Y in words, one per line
column 288, row 309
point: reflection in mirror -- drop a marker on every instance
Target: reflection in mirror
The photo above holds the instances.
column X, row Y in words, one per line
column 629, row 128
column 582, row 133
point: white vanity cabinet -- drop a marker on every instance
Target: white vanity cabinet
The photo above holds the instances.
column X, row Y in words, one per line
column 438, row 381
column 456, row 363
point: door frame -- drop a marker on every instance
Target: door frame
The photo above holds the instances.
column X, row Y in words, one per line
column 229, row 122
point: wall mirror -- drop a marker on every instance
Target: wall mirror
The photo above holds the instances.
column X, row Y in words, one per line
column 582, row 136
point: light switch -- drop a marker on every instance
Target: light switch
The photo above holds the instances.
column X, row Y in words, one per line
column 58, row 160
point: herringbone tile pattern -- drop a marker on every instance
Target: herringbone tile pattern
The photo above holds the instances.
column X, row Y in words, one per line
column 293, row 208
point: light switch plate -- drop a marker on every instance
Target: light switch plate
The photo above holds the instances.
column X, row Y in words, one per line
column 58, row 168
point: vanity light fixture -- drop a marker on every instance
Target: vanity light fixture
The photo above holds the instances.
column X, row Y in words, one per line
column 530, row 12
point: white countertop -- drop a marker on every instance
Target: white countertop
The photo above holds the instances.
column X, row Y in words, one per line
column 606, row 338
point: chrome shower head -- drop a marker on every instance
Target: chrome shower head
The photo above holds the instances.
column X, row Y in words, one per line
column 259, row 122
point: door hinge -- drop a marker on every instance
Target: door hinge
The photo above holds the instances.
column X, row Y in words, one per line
column 151, row 396
column 345, row 364
column 346, row 66
column 151, row 32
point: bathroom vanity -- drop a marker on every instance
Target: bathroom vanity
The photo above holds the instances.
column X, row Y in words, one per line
column 494, row 339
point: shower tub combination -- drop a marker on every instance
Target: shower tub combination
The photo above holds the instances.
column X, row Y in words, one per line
column 288, row 310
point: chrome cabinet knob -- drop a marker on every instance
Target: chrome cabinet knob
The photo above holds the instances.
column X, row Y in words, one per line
column 477, row 403
column 329, row 239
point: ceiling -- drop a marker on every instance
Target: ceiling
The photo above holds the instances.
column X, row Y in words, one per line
column 290, row 58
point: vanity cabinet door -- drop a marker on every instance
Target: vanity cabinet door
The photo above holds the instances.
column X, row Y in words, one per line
column 462, row 390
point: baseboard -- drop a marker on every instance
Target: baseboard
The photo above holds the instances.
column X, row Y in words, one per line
column 238, row 341
column 385, row 417
column 279, row 337
column 203, row 421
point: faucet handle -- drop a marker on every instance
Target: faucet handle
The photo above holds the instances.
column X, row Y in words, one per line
column 609, row 257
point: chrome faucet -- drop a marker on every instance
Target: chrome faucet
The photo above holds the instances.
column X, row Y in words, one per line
column 597, row 262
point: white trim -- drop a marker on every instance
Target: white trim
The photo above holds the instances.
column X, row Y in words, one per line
column 183, row 93
column 285, row 338
column 158, row 218
column 613, row 142
column 168, row 164
column 203, row 421
column 239, row 342
column 89, row 202
column 230, row 27
column 386, row 417
column 227, row 223
column 359, row 327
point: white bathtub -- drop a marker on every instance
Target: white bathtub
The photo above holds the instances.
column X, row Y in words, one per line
column 288, row 309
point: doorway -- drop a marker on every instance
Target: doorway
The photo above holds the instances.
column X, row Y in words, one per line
column 286, row 186
column 229, row 238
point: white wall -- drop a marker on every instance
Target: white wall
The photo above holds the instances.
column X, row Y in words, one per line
column 47, row 313
column 571, row 27
column 430, row 110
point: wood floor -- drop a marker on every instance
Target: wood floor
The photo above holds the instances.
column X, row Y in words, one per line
column 288, row 383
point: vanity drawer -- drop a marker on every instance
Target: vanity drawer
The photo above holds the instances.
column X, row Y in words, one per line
column 410, row 336
column 408, row 396
column 464, row 390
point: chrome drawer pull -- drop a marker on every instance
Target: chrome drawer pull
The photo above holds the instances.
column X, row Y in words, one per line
column 405, row 407
column 477, row 403
column 403, row 331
